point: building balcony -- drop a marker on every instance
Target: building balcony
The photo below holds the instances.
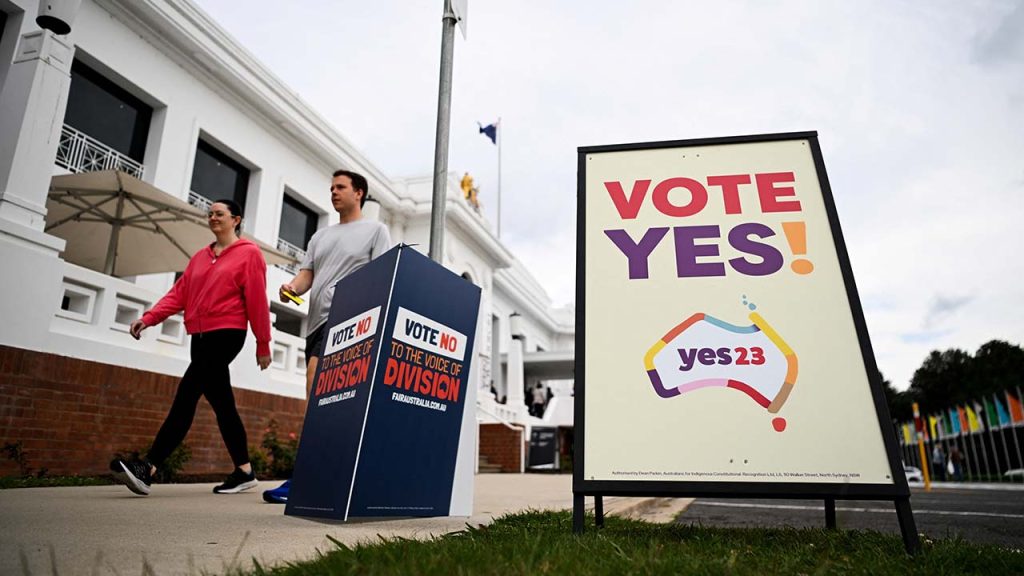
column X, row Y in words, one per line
column 199, row 201
column 291, row 250
column 79, row 152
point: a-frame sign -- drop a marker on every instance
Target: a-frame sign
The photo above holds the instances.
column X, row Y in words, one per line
column 721, row 348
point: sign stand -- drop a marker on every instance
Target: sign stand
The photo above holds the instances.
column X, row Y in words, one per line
column 689, row 229
column 389, row 428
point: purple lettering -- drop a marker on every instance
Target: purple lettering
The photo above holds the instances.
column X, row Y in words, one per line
column 637, row 253
column 687, row 251
column 771, row 258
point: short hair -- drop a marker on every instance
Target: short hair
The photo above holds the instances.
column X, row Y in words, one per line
column 235, row 210
column 358, row 183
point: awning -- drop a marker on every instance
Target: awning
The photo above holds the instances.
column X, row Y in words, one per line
column 119, row 225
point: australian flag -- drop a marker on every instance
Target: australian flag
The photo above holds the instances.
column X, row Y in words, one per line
column 491, row 131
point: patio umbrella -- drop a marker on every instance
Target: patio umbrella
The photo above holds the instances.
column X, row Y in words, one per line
column 119, row 225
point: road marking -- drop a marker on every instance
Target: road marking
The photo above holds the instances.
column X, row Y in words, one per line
column 845, row 509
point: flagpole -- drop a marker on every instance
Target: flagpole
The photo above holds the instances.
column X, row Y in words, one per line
column 444, row 109
column 499, row 133
column 1013, row 431
column 1002, row 434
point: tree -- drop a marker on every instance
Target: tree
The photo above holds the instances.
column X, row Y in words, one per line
column 943, row 379
column 998, row 365
column 901, row 404
column 954, row 377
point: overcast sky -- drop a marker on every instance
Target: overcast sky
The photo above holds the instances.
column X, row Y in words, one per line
column 919, row 107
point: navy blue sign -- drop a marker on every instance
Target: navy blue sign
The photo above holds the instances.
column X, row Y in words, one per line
column 382, row 425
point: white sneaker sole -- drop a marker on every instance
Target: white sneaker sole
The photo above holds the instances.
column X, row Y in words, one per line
column 128, row 479
column 240, row 488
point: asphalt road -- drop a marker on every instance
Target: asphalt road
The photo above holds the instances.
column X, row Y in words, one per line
column 981, row 516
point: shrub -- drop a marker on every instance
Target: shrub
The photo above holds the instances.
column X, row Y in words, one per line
column 275, row 456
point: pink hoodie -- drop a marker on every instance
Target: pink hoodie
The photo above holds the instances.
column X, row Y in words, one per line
column 218, row 292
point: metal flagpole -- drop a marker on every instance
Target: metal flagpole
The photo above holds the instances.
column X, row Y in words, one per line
column 981, row 440
column 499, row 133
column 444, row 109
column 991, row 437
column 1013, row 431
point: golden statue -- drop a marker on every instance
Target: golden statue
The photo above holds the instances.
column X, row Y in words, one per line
column 469, row 191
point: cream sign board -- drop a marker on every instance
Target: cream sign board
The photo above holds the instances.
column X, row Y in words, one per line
column 723, row 343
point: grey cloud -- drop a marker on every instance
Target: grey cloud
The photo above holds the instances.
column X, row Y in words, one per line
column 941, row 308
column 1005, row 42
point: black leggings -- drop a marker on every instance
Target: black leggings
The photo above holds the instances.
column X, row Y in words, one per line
column 208, row 376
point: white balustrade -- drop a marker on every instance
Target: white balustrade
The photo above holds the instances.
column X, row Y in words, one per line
column 79, row 152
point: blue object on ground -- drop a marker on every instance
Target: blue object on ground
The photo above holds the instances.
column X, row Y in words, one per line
column 278, row 495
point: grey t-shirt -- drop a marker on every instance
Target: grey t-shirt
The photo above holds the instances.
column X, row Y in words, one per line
column 335, row 252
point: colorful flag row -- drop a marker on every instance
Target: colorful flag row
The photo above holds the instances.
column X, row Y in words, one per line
column 989, row 413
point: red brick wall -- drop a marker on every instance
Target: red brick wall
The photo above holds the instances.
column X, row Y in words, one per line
column 71, row 416
column 502, row 446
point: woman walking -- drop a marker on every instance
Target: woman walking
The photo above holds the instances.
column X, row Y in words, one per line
column 223, row 288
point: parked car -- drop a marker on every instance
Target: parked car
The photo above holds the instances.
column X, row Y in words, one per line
column 913, row 473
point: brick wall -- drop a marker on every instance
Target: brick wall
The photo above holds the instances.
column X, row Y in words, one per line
column 71, row 415
column 502, row 446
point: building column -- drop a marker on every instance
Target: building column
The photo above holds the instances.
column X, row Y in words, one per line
column 516, row 378
column 32, row 104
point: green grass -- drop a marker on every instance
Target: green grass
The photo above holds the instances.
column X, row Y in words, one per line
column 543, row 543
column 49, row 481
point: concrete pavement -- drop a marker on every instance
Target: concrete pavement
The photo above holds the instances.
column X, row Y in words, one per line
column 185, row 529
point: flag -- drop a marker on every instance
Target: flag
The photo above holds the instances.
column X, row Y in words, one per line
column 1004, row 416
column 933, row 426
column 491, row 131
column 964, row 424
column 954, row 421
column 906, row 434
column 992, row 415
column 1016, row 410
column 972, row 418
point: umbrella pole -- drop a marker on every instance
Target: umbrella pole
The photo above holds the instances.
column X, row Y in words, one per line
column 115, row 235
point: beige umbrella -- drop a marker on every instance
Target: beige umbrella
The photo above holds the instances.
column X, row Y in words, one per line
column 119, row 225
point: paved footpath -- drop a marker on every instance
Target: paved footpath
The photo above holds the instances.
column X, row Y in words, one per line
column 185, row 529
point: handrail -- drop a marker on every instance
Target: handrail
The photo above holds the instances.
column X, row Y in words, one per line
column 504, row 422
column 79, row 152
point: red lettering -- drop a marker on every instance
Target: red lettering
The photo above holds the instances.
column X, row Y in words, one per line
column 730, row 190
column 628, row 208
column 698, row 197
column 769, row 193
column 449, row 342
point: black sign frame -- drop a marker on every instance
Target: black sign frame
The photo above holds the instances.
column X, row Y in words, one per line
column 898, row 491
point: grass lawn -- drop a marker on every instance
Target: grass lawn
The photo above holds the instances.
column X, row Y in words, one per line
column 543, row 543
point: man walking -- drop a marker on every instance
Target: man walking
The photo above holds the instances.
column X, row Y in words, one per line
column 333, row 253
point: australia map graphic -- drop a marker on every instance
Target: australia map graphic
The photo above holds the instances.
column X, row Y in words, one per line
column 703, row 351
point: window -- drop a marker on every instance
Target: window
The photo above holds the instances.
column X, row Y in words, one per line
column 107, row 112
column 287, row 320
column 216, row 176
column 298, row 223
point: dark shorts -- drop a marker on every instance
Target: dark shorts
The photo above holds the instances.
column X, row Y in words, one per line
column 315, row 342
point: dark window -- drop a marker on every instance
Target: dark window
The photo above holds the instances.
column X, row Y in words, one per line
column 107, row 112
column 298, row 223
column 216, row 176
column 287, row 321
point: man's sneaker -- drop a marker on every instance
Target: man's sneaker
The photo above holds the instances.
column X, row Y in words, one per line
column 132, row 473
column 278, row 495
column 237, row 482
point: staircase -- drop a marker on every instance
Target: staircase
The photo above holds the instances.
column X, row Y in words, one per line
column 486, row 467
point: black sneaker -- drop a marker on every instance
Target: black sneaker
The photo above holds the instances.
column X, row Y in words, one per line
column 133, row 473
column 237, row 482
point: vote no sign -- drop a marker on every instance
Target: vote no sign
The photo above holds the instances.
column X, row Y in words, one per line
column 390, row 396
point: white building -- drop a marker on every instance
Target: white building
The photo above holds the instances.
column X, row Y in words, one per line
column 156, row 89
